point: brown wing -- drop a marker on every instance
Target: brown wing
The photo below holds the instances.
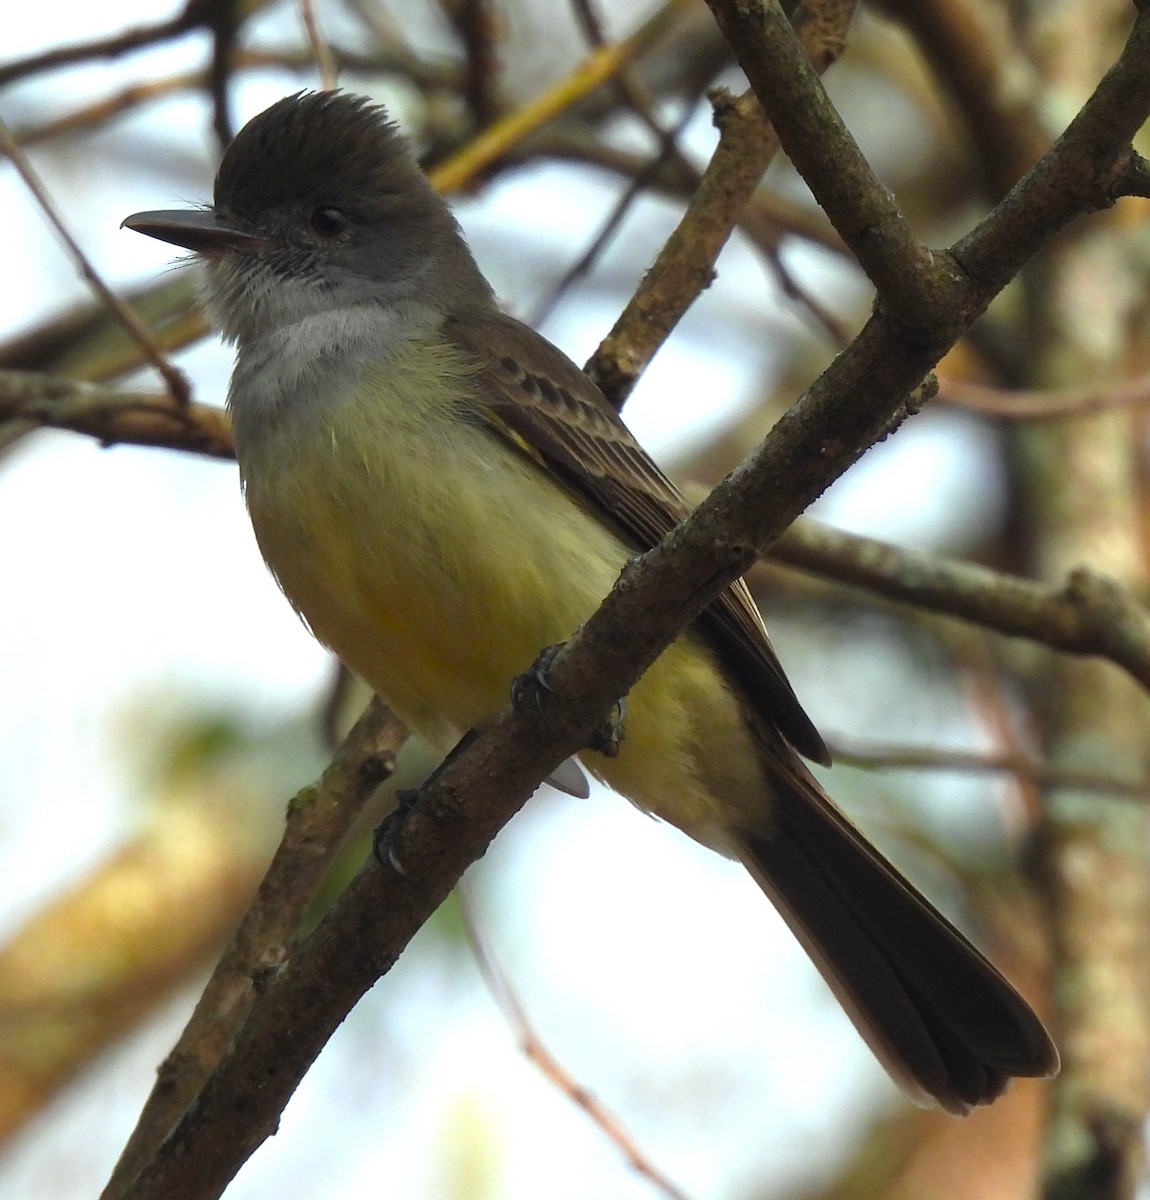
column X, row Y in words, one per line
column 548, row 405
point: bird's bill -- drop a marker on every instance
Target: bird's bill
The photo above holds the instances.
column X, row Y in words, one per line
column 195, row 229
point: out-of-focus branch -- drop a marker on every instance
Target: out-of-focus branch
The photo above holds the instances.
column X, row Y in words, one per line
column 386, row 60
column 92, row 962
column 602, row 64
column 318, row 820
column 895, row 757
column 536, row 1051
column 476, row 23
column 140, row 333
column 196, row 14
column 1007, row 405
column 86, row 344
column 1078, row 496
column 322, row 53
column 971, row 48
column 113, row 417
column 223, row 25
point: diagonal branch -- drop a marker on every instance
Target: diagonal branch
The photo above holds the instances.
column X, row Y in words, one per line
column 535, row 1051
column 823, row 151
column 139, row 332
column 318, row 820
column 686, row 263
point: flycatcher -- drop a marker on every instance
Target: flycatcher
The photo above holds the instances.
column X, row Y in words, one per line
column 442, row 494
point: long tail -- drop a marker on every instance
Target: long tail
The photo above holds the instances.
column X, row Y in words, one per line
column 940, row 1018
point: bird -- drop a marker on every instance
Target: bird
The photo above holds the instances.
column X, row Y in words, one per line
column 441, row 494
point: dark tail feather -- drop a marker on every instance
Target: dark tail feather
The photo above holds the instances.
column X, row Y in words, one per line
column 941, row 1019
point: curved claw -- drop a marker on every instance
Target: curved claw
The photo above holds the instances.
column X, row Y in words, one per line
column 608, row 737
column 529, row 686
column 385, row 839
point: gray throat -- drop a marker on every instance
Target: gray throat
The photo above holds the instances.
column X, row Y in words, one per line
column 316, row 360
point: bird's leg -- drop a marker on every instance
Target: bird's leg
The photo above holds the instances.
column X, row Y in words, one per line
column 388, row 835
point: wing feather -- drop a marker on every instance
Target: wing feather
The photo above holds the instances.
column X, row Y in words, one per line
column 540, row 400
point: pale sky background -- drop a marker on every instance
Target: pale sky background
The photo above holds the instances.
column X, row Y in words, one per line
column 653, row 969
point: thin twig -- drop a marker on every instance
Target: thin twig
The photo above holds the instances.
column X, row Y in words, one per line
column 534, row 1049
column 193, row 13
column 892, row 756
column 634, row 96
column 1007, row 405
column 983, row 683
column 835, row 329
column 322, row 53
column 173, row 377
column 634, row 189
column 823, row 151
column 599, row 66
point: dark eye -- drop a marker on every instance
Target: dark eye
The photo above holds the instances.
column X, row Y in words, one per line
column 328, row 222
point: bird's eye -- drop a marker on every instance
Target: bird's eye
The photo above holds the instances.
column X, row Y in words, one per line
column 328, row 222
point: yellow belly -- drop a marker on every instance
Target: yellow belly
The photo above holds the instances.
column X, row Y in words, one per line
column 437, row 562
